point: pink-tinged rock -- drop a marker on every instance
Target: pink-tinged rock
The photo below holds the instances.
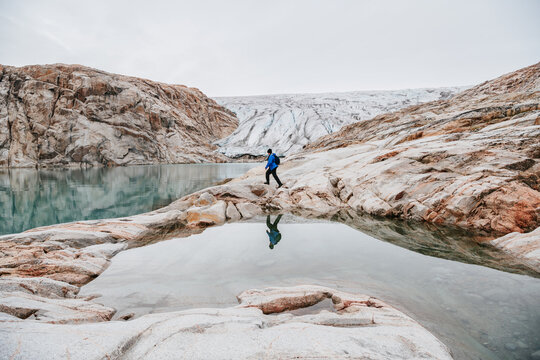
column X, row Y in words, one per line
column 207, row 215
column 111, row 119
column 524, row 246
column 357, row 327
column 59, row 311
column 39, row 286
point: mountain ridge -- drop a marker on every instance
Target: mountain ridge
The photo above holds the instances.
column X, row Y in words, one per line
column 73, row 115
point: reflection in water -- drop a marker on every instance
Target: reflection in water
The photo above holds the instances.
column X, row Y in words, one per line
column 446, row 242
column 31, row 198
column 274, row 235
column 481, row 313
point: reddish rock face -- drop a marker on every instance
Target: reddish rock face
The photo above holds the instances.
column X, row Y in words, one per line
column 71, row 114
column 471, row 160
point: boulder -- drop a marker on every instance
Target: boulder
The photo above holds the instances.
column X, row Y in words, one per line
column 248, row 210
column 207, row 215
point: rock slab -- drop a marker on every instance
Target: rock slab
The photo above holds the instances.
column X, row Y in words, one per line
column 356, row 326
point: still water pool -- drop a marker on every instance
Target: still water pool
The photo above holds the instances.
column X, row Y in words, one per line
column 478, row 311
column 30, row 198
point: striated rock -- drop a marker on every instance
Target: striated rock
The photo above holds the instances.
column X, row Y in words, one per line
column 55, row 260
column 60, row 311
column 471, row 160
column 357, row 327
column 524, row 246
column 41, row 269
column 288, row 122
column 74, row 115
column 38, row 286
column 278, row 299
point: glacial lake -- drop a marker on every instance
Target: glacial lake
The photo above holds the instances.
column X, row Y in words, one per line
column 30, row 198
column 480, row 312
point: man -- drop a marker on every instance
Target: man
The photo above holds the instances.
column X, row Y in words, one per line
column 271, row 167
column 274, row 235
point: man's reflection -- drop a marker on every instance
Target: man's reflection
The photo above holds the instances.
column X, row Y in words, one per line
column 274, row 235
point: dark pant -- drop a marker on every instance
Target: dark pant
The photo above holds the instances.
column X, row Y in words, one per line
column 273, row 172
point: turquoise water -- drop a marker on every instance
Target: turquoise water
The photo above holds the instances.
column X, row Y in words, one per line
column 30, row 198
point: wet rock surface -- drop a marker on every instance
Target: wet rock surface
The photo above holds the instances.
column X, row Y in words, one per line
column 66, row 115
column 360, row 327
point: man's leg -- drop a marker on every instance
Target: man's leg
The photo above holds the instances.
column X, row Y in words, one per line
column 268, row 176
column 277, row 220
column 275, row 177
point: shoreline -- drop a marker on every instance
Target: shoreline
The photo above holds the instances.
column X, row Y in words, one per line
column 45, row 267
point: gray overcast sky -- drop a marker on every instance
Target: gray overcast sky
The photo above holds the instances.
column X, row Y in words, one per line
column 252, row 47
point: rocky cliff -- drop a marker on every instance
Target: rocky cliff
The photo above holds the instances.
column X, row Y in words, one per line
column 73, row 115
column 288, row 122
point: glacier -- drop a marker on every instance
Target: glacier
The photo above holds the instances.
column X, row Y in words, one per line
column 287, row 122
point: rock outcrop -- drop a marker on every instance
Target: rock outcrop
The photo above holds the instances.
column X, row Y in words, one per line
column 471, row 160
column 288, row 122
column 61, row 115
column 351, row 326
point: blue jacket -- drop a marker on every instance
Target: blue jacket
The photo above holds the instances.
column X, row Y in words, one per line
column 274, row 236
column 271, row 164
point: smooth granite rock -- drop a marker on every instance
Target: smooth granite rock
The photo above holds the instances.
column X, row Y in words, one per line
column 60, row 311
column 525, row 246
column 356, row 327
